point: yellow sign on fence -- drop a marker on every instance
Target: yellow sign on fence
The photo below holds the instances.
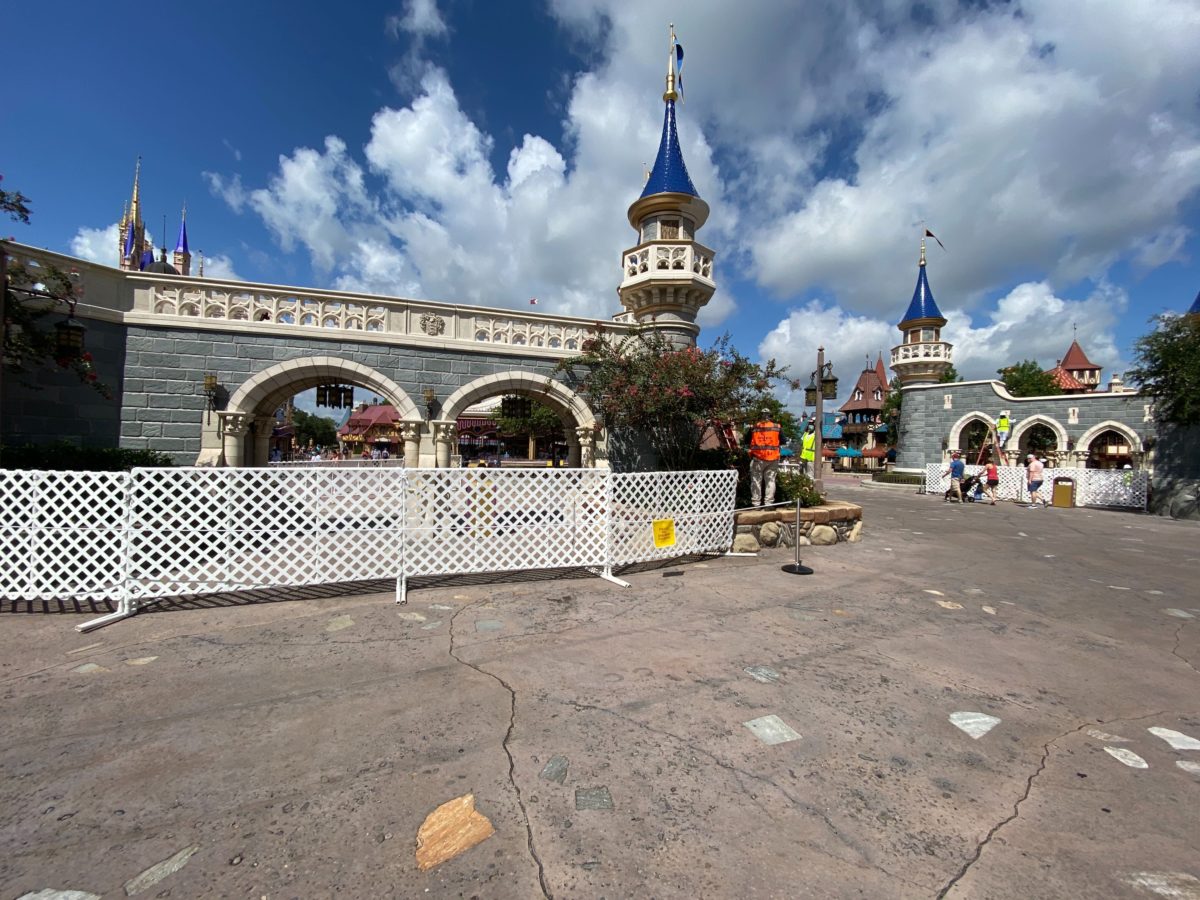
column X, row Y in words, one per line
column 664, row 532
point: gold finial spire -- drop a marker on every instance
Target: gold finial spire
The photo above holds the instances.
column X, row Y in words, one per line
column 135, row 205
column 922, row 263
column 669, row 94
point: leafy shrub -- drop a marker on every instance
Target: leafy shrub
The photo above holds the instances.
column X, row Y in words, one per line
column 63, row 456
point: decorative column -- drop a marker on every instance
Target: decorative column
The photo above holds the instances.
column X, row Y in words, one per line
column 234, row 428
column 587, row 446
column 445, row 436
column 263, row 427
column 410, row 433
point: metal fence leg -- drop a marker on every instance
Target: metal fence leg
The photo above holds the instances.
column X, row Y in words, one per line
column 125, row 609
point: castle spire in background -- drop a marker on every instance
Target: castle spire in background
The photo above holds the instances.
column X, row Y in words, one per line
column 923, row 357
column 667, row 277
column 183, row 256
column 131, row 236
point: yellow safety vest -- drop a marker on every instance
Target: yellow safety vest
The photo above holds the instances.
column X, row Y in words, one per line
column 807, row 446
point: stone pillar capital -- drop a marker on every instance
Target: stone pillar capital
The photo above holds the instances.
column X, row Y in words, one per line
column 235, row 424
column 445, row 431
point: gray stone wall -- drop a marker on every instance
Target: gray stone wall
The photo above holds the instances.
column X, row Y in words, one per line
column 1175, row 487
column 164, row 405
column 926, row 421
column 50, row 404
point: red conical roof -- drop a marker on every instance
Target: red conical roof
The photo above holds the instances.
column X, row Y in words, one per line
column 1077, row 359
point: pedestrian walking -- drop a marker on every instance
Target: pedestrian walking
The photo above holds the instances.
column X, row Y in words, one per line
column 1034, row 479
column 991, row 475
column 956, row 472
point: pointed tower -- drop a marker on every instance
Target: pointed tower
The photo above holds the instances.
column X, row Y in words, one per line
column 1195, row 309
column 183, row 257
column 132, row 245
column 923, row 357
column 667, row 277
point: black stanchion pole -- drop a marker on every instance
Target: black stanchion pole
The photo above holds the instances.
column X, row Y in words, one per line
column 795, row 568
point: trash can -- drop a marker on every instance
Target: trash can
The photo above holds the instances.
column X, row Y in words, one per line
column 1064, row 493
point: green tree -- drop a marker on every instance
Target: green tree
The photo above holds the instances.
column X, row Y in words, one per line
column 316, row 430
column 890, row 413
column 541, row 422
column 30, row 295
column 951, row 374
column 642, row 382
column 1026, row 379
column 1167, row 366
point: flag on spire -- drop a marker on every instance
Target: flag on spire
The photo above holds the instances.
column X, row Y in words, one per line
column 679, row 67
column 929, row 233
column 533, row 301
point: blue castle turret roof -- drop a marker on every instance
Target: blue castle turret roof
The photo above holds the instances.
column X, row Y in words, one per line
column 669, row 174
column 923, row 305
column 1195, row 310
column 181, row 245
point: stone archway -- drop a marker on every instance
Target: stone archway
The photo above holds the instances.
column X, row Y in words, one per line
column 251, row 405
column 1024, row 426
column 579, row 423
column 1089, row 437
column 955, row 439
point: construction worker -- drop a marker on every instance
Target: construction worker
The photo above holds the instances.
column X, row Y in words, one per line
column 764, row 459
column 1003, row 426
column 808, row 446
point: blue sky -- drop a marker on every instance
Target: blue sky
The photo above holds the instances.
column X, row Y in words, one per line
column 484, row 152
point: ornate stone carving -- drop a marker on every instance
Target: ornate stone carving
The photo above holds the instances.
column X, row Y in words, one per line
column 235, row 424
column 410, row 431
column 433, row 325
column 445, row 432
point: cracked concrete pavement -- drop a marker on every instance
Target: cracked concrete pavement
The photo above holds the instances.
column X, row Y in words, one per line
column 299, row 743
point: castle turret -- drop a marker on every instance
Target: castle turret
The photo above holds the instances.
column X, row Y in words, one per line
column 183, row 257
column 668, row 276
column 922, row 357
column 132, row 244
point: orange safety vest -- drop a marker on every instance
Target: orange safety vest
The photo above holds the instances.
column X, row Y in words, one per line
column 764, row 441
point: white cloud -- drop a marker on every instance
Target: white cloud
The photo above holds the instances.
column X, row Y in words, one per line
column 1030, row 322
column 228, row 189
column 217, row 266
column 1040, row 143
column 99, row 245
column 420, row 18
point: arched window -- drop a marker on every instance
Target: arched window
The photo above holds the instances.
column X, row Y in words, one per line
column 1109, row 450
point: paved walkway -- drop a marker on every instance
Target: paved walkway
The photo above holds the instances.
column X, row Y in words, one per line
column 962, row 703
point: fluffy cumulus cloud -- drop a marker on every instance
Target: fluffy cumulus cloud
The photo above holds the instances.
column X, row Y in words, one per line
column 99, row 245
column 1030, row 322
column 1043, row 143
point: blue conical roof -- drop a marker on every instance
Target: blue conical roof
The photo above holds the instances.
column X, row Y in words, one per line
column 181, row 244
column 923, row 305
column 669, row 174
column 1195, row 310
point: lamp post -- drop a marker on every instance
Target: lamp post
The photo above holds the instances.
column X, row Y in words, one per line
column 815, row 395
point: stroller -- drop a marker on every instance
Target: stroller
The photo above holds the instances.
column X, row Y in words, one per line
column 972, row 489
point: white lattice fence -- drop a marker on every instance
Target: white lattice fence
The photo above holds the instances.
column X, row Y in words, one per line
column 497, row 520
column 1093, row 487
column 174, row 532
column 61, row 534
column 700, row 503
column 211, row 530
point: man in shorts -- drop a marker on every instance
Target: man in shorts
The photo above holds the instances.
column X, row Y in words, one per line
column 1034, row 478
column 956, row 472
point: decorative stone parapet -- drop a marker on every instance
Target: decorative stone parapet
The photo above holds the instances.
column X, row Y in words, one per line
column 833, row 522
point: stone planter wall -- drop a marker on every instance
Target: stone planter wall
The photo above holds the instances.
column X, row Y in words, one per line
column 830, row 523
